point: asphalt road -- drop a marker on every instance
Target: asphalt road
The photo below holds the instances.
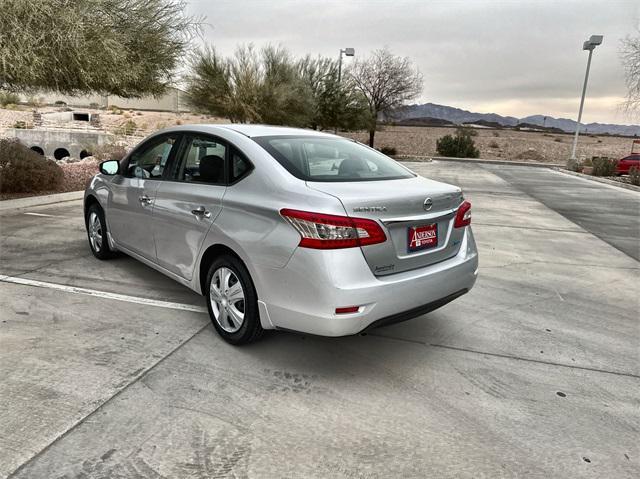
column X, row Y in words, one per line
column 610, row 213
column 534, row 373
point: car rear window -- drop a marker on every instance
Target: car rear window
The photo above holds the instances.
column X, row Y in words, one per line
column 313, row 158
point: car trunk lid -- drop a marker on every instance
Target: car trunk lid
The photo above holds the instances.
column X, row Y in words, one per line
column 416, row 214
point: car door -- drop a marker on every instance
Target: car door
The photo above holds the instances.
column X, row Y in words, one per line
column 633, row 160
column 133, row 194
column 188, row 203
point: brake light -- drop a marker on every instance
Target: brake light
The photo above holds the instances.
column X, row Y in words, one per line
column 322, row 231
column 463, row 216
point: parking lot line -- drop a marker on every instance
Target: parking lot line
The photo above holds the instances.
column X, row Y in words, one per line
column 103, row 294
column 41, row 214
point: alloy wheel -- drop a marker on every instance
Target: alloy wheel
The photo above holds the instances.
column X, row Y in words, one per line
column 95, row 232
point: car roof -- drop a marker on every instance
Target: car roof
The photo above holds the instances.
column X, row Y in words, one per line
column 267, row 130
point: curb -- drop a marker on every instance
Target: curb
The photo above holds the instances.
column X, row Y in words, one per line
column 600, row 179
column 31, row 201
column 476, row 160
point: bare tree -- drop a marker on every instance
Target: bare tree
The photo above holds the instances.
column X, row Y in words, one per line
column 630, row 55
column 386, row 81
column 121, row 47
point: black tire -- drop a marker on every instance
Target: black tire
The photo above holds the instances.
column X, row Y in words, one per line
column 100, row 249
column 250, row 329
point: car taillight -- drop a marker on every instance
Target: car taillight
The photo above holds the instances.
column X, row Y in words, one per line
column 322, row 231
column 463, row 216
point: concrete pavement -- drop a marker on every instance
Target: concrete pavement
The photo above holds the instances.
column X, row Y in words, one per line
column 534, row 373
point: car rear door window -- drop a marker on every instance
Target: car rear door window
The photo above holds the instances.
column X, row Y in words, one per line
column 203, row 161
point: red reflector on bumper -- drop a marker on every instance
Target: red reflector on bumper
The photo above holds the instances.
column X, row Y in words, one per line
column 348, row 309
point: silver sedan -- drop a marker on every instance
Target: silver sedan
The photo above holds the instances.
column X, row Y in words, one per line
column 282, row 228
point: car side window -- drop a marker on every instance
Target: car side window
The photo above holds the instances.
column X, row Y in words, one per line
column 203, row 161
column 240, row 166
column 150, row 159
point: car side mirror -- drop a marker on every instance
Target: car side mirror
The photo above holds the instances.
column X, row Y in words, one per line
column 110, row 167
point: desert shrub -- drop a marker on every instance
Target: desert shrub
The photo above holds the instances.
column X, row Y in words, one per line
column 178, row 122
column 78, row 174
column 8, row 98
column 634, row 175
column 25, row 171
column 557, row 139
column 94, row 106
column 108, row 152
column 127, row 128
column 389, row 150
column 494, row 144
column 467, row 131
column 60, row 103
column 21, row 125
column 573, row 165
column 530, row 155
column 495, row 133
column 604, row 166
column 35, row 102
column 461, row 145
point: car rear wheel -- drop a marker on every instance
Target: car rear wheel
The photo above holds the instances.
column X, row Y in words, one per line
column 97, row 232
column 232, row 301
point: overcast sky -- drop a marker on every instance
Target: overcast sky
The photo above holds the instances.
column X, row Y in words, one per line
column 511, row 57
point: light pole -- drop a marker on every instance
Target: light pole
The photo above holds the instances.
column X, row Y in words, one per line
column 590, row 45
column 348, row 52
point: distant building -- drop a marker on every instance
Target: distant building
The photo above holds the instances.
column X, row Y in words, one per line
column 173, row 100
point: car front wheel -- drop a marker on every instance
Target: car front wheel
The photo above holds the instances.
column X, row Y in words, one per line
column 97, row 232
column 232, row 301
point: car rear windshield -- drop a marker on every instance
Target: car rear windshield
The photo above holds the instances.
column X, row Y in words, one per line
column 313, row 158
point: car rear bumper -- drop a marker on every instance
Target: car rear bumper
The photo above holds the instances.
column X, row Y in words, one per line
column 304, row 295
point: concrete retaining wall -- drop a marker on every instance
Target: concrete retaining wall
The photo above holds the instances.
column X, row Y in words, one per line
column 50, row 140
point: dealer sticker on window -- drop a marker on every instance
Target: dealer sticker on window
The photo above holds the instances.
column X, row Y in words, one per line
column 422, row 237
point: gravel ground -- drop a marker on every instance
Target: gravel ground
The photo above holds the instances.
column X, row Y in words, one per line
column 408, row 140
column 511, row 145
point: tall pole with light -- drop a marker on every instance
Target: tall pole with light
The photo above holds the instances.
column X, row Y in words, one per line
column 590, row 45
column 348, row 52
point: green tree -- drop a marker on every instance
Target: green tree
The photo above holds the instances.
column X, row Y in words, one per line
column 270, row 86
column 283, row 96
column 128, row 48
column 386, row 81
column 336, row 104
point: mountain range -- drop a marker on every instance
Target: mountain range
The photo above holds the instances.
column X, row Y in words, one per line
column 430, row 111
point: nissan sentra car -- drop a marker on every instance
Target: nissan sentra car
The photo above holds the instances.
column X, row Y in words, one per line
column 283, row 228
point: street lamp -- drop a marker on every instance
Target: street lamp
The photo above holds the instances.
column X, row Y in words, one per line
column 348, row 52
column 590, row 45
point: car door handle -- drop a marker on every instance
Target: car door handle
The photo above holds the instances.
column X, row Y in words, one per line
column 201, row 211
column 145, row 200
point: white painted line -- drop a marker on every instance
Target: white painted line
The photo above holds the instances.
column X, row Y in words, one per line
column 103, row 294
column 41, row 214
